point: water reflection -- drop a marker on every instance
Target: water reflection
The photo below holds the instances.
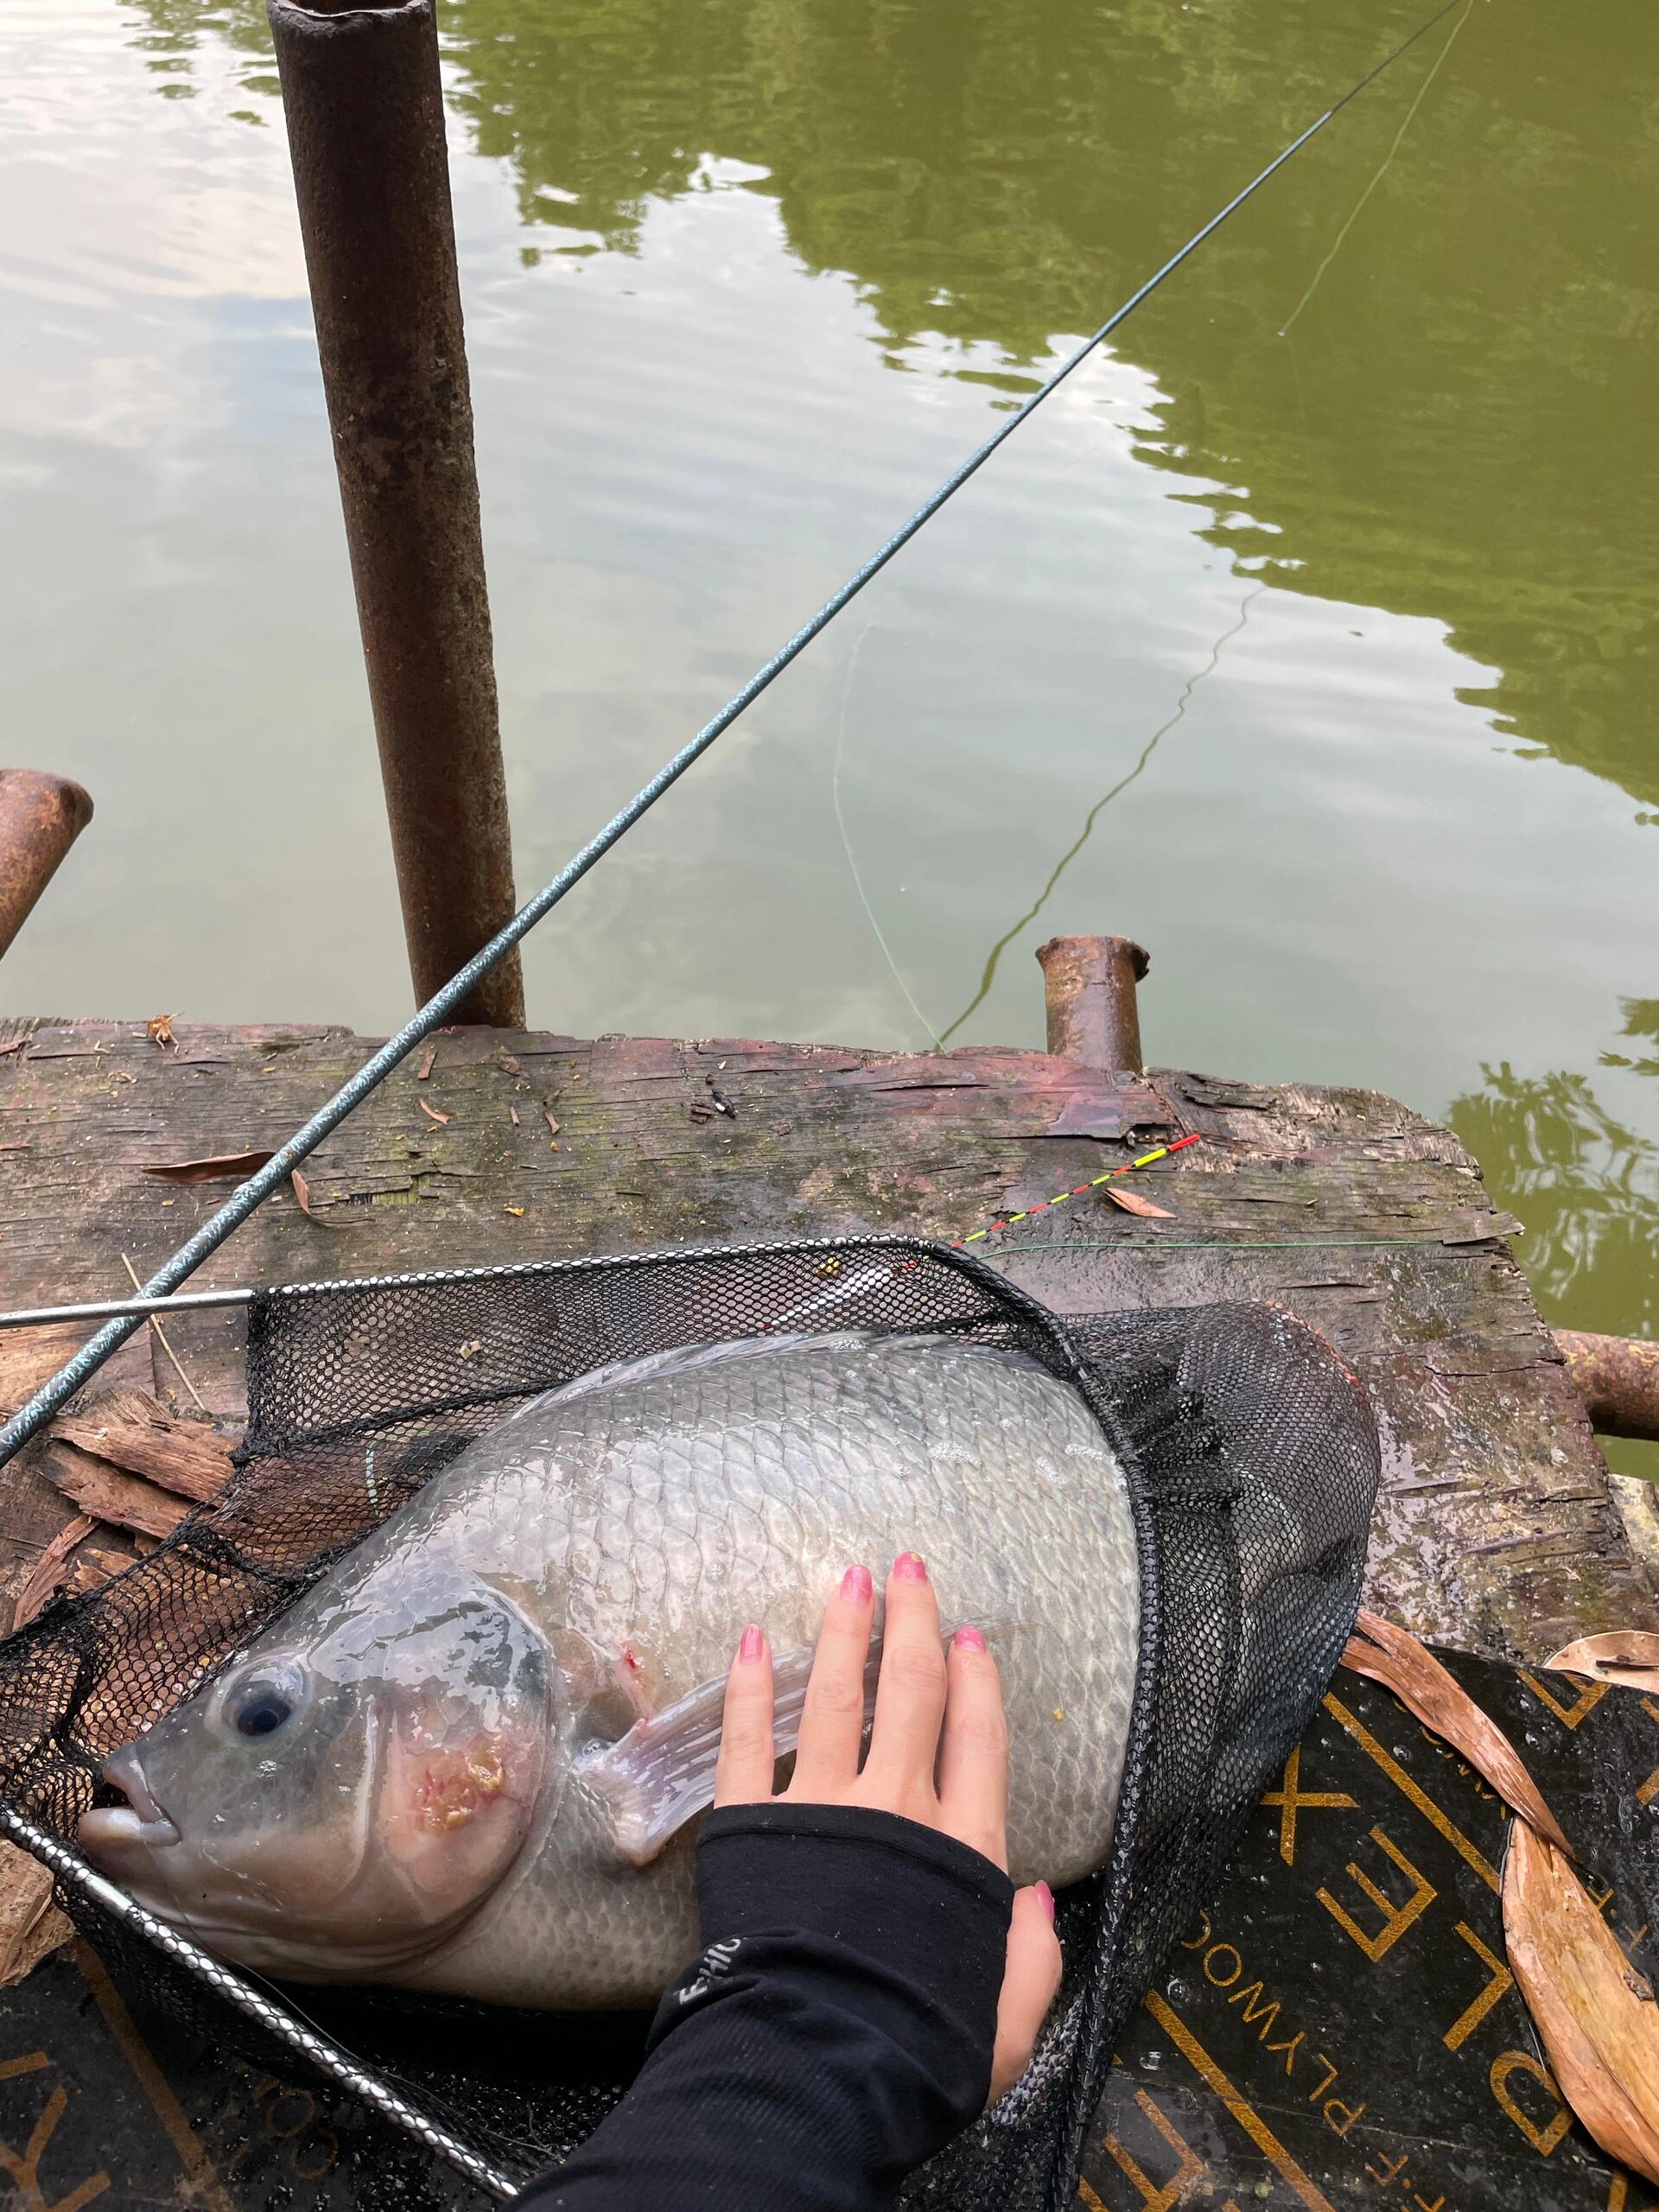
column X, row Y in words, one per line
column 1474, row 359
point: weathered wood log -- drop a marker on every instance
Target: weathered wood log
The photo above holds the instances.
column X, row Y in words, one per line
column 189, row 1458
column 1618, row 1378
column 1494, row 1531
column 125, row 1501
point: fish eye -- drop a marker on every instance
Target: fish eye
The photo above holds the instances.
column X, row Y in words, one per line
column 263, row 1702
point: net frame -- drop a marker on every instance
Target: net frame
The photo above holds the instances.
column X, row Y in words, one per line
column 1190, row 1493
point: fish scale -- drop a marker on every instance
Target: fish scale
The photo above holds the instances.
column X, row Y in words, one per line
column 633, row 1524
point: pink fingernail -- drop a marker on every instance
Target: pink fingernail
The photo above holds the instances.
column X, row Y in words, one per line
column 753, row 1646
column 908, row 1567
column 970, row 1639
column 1046, row 1898
column 855, row 1585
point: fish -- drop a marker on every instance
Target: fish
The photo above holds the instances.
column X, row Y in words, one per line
column 471, row 1758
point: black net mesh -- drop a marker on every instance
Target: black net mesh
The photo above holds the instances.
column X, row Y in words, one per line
column 1252, row 1461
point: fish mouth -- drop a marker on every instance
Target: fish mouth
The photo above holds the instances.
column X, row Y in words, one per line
column 141, row 1823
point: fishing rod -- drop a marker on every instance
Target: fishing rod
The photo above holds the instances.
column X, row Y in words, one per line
column 131, row 1314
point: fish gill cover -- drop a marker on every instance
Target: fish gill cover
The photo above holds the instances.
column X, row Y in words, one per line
column 1250, row 1458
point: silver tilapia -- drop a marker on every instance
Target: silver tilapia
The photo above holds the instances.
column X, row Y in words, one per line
column 470, row 1759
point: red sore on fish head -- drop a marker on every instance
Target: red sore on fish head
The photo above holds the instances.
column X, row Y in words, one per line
column 453, row 1815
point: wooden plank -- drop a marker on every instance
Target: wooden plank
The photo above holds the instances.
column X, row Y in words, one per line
column 1496, row 1530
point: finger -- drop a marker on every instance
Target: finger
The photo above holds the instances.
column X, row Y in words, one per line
column 832, row 1718
column 1030, row 1984
column 973, row 1749
column 743, row 1770
column 910, row 1690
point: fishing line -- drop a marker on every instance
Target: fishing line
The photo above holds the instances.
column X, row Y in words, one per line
column 847, row 842
column 1099, row 807
column 1284, row 330
column 74, row 1373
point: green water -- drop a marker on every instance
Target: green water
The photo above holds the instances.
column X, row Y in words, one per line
column 1309, row 636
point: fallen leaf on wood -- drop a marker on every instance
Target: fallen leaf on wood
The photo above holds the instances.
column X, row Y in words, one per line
column 159, row 1030
column 185, row 1456
column 128, row 1501
column 31, row 1927
column 217, row 1170
column 1595, row 2014
column 301, row 1193
column 427, row 1065
column 1628, row 1657
column 431, row 1110
column 52, row 1570
column 1132, row 1202
column 507, row 1064
column 1393, row 1656
column 517, row 1212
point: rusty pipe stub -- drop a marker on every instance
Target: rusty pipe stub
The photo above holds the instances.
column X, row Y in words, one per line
column 364, row 106
column 1089, row 984
column 41, row 816
column 1618, row 1378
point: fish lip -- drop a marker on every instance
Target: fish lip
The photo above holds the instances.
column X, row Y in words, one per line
column 142, row 1821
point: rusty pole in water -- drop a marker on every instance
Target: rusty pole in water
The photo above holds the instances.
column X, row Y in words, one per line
column 1089, row 983
column 41, row 816
column 365, row 132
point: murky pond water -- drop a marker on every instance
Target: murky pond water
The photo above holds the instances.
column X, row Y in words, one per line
column 1311, row 637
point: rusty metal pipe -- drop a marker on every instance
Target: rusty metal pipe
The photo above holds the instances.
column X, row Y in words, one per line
column 1618, row 1378
column 41, row 816
column 365, row 133
column 1089, row 984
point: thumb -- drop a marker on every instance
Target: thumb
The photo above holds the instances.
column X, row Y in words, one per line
column 1030, row 1982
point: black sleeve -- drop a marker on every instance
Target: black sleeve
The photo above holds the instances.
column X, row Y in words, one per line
column 836, row 2033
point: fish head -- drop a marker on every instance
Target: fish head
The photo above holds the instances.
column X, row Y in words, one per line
column 350, row 1789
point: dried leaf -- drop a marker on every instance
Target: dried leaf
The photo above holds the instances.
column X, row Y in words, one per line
column 427, row 1065
column 507, row 1064
column 1394, row 1657
column 31, row 1927
column 159, row 1030
column 1133, row 1202
column 1628, row 1657
column 127, row 1500
column 431, row 1112
column 217, row 1170
column 51, row 1571
column 517, row 1212
column 185, row 1456
column 1595, row 2014
column 301, row 1193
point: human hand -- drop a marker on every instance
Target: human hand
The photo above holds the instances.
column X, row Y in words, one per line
column 938, row 1755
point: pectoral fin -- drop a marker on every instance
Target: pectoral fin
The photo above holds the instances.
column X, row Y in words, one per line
column 661, row 1773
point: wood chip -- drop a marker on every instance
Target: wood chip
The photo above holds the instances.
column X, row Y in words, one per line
column 1628, row 1657
column 517, row 1212
column 1133, row 1202
column 1393, row 1656
column 431, row 1111
column 507, row 1064
column 187, row 1457
column 219, row 1169
column 50, row 1571
column 159, row 1030
column 427, row 1065
column 1595, row 2015
column 31, row 1927
column 127, row 1500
